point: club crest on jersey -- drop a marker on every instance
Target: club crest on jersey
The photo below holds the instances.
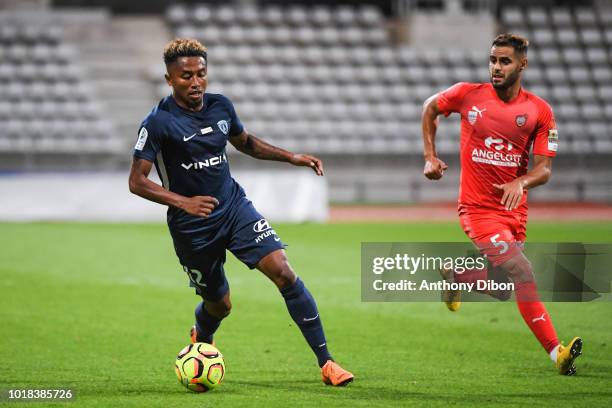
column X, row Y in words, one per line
column 223, row 126
column 520, row 120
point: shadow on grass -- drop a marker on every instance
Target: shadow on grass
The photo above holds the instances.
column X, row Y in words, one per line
column 363, row 391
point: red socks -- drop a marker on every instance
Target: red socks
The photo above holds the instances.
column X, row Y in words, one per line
column 535, row 315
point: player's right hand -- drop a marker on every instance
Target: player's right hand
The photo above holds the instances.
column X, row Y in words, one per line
column 200, row 206
column 434, row 168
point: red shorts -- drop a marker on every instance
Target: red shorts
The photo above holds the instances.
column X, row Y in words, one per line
column 498, row 235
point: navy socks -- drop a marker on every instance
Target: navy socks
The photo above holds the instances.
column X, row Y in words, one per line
column 206, row 324
column 303, row 310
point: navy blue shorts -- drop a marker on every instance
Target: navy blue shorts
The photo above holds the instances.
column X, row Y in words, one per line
column 245, row 232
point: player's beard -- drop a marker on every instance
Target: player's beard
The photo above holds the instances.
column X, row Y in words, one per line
column 508, row 82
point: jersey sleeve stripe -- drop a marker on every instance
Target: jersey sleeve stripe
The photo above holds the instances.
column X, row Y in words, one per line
column 163, row 174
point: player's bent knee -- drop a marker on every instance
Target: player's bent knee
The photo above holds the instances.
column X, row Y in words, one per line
column 519, row 269
column 219, row 309
column 284, row 276
column 276, row 267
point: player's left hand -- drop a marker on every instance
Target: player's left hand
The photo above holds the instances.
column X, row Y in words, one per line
column 307, row 160
column 512, row 194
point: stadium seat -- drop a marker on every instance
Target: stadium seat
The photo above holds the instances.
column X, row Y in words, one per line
column 556, row 75
column 17, row 53
column 549, row 57
column 209, row 34
column 604, row 15
column 591, row 111
column 534, row 74
column 304, row 36
column 376, row 36
column 512, row 16
column 607, row 108
column 544, row 37
column 272, row 16
column 541, row 90
column 344, row 15
column 320, row 16
column 585, row 94
column 602, row 75
column 248, row 15
column 562, row 92
column 360, row 56
column 561, row 17
column 567, row 37
column 369, row 16
column 591, row 37
column 605, row 93
column 597, row 56
column 14, row 91
column 585, row 17
column 297, row 15
column 579, row 75
column 201, row 15
column 568, row 111
column 573, row 56
column 177, row 14
column 226, row 16
column 7, row 71
column 235, row 35
column 537, row 17
column 353, row 36
column 9, row 33
column 337, row 56
column 370, row 74
column 312, row 55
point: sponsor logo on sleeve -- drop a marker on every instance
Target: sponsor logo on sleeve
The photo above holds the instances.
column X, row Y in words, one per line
column 262, row 227
column 142, row 139
column 553, row 140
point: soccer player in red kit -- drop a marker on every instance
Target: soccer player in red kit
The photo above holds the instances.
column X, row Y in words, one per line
column 500, row 122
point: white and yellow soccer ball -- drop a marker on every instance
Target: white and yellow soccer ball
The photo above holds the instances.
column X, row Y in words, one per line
column 200, row 367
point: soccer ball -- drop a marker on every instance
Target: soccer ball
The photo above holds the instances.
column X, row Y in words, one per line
column 200, row 367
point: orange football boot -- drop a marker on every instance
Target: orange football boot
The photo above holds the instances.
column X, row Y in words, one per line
column 333, row 374
column 193, row 333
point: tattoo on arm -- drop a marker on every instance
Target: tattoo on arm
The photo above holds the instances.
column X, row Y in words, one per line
column 255, row 147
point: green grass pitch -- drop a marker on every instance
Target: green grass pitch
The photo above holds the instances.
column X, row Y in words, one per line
column 104, row 308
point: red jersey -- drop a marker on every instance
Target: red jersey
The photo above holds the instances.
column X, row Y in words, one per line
column 496, row 138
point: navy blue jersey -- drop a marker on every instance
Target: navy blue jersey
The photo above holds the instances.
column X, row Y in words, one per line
column 188, row 149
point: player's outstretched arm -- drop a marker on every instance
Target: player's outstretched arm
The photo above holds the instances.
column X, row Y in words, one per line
column 434, row 167
column 140, row 185
column 259, row 149
column 514, row 190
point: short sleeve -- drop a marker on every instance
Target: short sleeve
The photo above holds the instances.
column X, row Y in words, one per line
column 546, row 138
column 148, row 143
column 236, row 126
column 450, row 100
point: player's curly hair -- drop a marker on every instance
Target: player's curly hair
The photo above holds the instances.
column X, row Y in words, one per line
column 183, row 47
column 518, row 42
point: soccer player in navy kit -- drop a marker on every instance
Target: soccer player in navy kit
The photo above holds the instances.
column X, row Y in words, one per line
column 185, row 137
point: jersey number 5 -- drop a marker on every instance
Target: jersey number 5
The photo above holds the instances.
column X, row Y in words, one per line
column 504, row 245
